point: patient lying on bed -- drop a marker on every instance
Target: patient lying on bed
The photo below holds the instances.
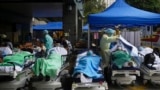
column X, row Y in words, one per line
column 120, row 59
column 16, row 59
column 87, row 68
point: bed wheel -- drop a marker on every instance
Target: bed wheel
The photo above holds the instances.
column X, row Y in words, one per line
column 145, row 82
column 133, row 83
column 117, row 83
column 113, row 82
column 20, row 89
column 23, row 88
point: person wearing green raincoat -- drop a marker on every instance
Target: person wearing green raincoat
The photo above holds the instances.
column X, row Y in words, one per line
column 48, row 40
column 107, row 38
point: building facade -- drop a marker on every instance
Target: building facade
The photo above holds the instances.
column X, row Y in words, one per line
column 16, row 20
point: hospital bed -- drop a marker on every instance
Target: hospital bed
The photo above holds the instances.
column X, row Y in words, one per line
column 125, row 75
column 54, row 82
column 150, row 74
column 127, row 72
column 81, row 78
column 14, row 75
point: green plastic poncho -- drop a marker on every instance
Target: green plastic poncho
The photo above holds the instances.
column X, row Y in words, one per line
column 17, row 58
column 49, row 66
column 120, row 57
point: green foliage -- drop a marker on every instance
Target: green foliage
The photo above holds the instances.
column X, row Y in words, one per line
column 93, row 6
column 149, row 5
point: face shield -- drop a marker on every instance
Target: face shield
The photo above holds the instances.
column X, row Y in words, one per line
column 109, row 34
column 109, row 31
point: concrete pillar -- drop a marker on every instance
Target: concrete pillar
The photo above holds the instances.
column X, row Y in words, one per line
column 30, row 25
column 80, row 25
column 70, row 21
column 26, row 28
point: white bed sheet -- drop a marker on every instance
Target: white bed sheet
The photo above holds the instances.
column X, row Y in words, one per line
column 8, row 69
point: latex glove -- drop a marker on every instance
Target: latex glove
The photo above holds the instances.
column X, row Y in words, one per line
column 118, row 32
column 118, row 37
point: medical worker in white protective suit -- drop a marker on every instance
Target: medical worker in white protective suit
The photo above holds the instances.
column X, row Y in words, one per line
column 108, row 37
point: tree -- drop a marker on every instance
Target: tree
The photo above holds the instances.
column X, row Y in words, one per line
column 148, row 5
column 93, row 6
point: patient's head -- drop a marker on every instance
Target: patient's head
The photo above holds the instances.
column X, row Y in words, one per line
column 89, row 53
column 119, row 48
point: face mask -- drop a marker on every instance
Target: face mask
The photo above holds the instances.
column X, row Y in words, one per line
column 109, row 34
column 119, row 48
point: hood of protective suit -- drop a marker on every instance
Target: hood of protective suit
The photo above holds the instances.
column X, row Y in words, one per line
column 45, row 32
column 109, row 31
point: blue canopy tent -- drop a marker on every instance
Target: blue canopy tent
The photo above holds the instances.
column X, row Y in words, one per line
column 49, row 26
column 122, row 13
column 54, row 26
column 85, row 27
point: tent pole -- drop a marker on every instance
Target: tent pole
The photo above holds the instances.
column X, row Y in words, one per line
column 151, row 28
column 88, row 37
column 134, row 38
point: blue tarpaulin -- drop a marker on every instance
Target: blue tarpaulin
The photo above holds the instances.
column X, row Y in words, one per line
column 54, row 26
column 88, row 65
column 49, row 26
column 85, row 27
column 122, row 13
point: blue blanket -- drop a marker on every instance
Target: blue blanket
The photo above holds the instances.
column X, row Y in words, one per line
column 88, row 65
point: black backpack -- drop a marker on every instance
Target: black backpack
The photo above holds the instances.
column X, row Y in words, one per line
column 156, row 51
column 149, row 59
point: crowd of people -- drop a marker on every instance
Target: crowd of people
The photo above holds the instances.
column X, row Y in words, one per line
column 47, row 42
column 39, row 46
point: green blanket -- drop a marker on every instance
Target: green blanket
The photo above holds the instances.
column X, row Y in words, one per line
column 49, row 66
column 17, row 58
column 120, row 57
